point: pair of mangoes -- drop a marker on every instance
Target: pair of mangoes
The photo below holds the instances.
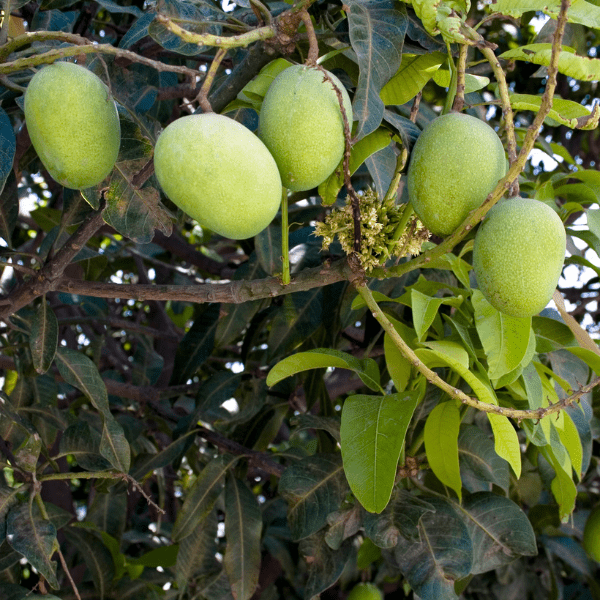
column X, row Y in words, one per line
column 520, row 246
column 213, row 168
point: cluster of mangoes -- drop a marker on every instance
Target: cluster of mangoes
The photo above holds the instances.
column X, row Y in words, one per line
column 231, row 180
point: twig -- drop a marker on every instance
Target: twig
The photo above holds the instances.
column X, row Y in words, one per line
column 459, row 99
column 65, row 567
column 202, row 96
column 313, row 43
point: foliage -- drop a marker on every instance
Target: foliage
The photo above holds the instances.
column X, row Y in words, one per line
column 187, row 416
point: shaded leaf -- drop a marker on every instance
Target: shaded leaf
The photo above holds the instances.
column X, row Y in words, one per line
column 480, row 466
column 499, row 529
column 243, row 526
column 382, row 166
column 34, row 538
column 268, row 248
column 372, row 435
column 8, row 147
column 441, row 555
column 441, row 444
column 9, row 208
column 366, row 369
column 201, row 497
column 108, row 512
column 196, row 345
column 8, row 498
column 43, row 339
column 313, row 487
column 83, row 443
column 113, row 7
column 114, row 446
column 377, row 29
column 309, row 421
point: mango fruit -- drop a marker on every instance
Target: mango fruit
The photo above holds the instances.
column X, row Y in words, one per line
column 73, row 124
column 302, row 126
column 455, row 163
column 518, row 256
column 219, row 173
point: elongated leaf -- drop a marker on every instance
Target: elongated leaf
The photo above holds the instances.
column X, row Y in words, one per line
column 473, row 83
column 83, row 443
column 114, row 445
column 202, row 496
column 505, row 339
column 108, row 512
column 8, row 497
column 360, row 152
column 96, row 556
column 480, row 465
column 80, row 372
column 563, row 488
column 34, row 538
column 372, row 435
column 442, row 554
column 570, row 64
column 196, row 557
column 313, row 487
column 133, row 212
column 425, row 310
column 9, row 208
column 254, row 91
column 580, row 11
column 414, row 72
column 268, row 249
column 366, row 369
column 43, row 339
column 398, row 366
column 113, row 7
column 566, row 112
column 309, row 421
column 197, row 344
column 506, row 441
column 8, row 146
column 569, row 436
column 382, row 166
column 377, row 29
column 243, row 526
column 441, row 444
column 499, row 529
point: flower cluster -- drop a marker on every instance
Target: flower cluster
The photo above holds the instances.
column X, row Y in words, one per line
column 384, row 231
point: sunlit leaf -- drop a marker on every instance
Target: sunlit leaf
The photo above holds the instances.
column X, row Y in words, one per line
column 565, row 112
column 580, row 11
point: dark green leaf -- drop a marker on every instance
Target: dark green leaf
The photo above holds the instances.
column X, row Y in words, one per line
column 309, row 421
column 314, row 487
column 372, row 435
column 268, row 249
column 551, row 334
column 377, row 29
column 9, row 208
column 95, row 555
column 499, row 529
column 213, row 392
column 113, row 7
column 440, row 556
column 197, row 344
column 201, row 497
column 8, row 147
column 34, row 538
column 114, row 446
column 480, row 466
column 381, row 166
column 243, row 526
column 8, row 497
column 108, row 512
column 366, row 369
column 43, row 339
column 83, row 443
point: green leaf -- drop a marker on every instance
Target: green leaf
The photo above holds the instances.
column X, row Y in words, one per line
column 135, row 213
column 82, row 442
column 569, row 436
column 108, row 512
column 359, row 153
column 309, row 421
column 9, row 208
column 8, row 498
column 480, row 465
column 372, row 435
column 441, row 444
column 8, row 147
column 580, row 11
column 398, row 366
column 196, row 345
column 163, row 556
column 473, row 83
column 34, row 538
column 587, row 356
column 414, row 72
column 551, row 334
column 499, row 529
column 254, row 91
column 565, row 112
column 425, row 310
column 313, row 487
column 267, row 245
column 114, row 446
column 196, row 557
column 95, row 555
column 243, row 524
column 202, row 496
column 505, row 339
column 366, row 369
column 570, row 64
column 377, row 29
column 440, row 555
column 563, row 488
column 506, row 441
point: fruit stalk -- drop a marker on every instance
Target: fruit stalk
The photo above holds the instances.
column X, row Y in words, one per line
column 285, row 240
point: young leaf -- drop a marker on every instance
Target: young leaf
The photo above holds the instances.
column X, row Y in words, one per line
column 366, row 369
column 563, row 488
column 202, row 496
column 425, row 309
column 43, row 338
column 372, row 435
column 377, row 29
column 313, row 487
column 441, row 444
column 34, row 538
column 499, row 530
column 580, row 11
column 505, row 339
column 243, row 524
column 506, row 441
column 569, row 436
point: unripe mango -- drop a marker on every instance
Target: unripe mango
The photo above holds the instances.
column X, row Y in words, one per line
column 219, row 173
column 365, row 591
column 456, row 162
column 518, row 256
column 302, row 126
column 73, row 124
